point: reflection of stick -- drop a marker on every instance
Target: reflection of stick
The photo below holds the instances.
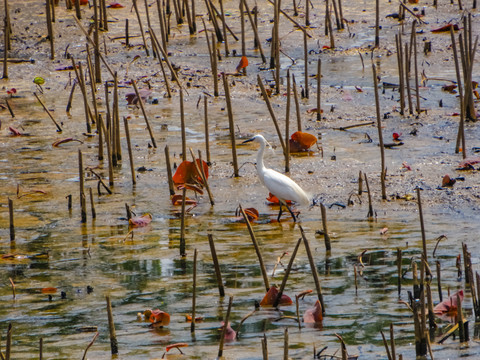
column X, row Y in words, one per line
column 169, row 171
column 257, row 249
column 218, row 273
column 83, row 205
column 194, row 291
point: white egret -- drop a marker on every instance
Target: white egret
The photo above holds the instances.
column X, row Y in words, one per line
column 278, row 184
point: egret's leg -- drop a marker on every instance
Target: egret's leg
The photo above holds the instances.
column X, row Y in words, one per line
column 280, row 212
column 291, row 212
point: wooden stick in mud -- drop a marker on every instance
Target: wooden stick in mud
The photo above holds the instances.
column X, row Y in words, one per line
column 264, row 347
column 270, row 110
column 439, row 281
column 161, row 19
column 242, row 29
column 329, row 25
column 305, row 57
column 130, row 155
column 182, row 127
column 100, row 139
column 377, row 23
column 225, row 326
column 78, row 13
column 8, row 346
column 48, row 12
column 380, row 136
column 257, row 249
column 385, row 343
column 231, row 124
column 6, row 39
column 415, row 63
column 90, row 345
column 207, row 136
column 360, row 183
column 287, row 272
column 81, row 83
column 319, row 89
column 83, row 205
column 12, row 225
column 169, row 171
column 255, row 30
column 96, row 46
column 285, row 336
column 70, row 97
column 370, row 206
column 401, row 77
column 407, row 79
column 59, row 129
column 92, row 204
column 141, row 27
column 127, row 34
column 218, row 274
column 140, row 101
column 224, row 28
column 399, row 270
column 297, row 104
column 183, row 252
column 194, row 291
column 313, row 269
column 92, row 85
column 461, row 126
column 328, row 246
column 287, row 125
column 111, row 327
column 422, row 225
column 214, row 21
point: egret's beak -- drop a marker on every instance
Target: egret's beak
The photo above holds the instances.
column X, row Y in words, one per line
column 246, row 141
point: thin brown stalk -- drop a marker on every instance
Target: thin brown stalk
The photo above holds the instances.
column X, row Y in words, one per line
column 287, row 272
column 130, row 154
column 227, row 318
column 111, row 327
column 380, row 136
column 183, row 252
column 141, row 27
column 231, row 124
column 218, row 273
column 194, row 292
column 10, row 216
column 90, row 345
column 59, row 129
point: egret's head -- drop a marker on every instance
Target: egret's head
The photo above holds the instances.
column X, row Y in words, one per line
column 259, row 139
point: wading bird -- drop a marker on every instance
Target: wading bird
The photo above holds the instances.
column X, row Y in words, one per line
column 278, row 184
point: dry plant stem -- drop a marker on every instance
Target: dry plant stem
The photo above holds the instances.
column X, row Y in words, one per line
column 285, row 338
column 83, row 205
column 287, row 125
column 377, row 24
column 431, row 315
column 276, row 48
column 8, row 346
column 422, row 225
column 242, row 29
column 399, row 271
column 111, row 327
column 335, row 9
column 98, row 70
column 392, row 342
column 218, row 273
column 356, row 283
column 48, row 12
column 439, row 281
column 92, row 204
column 194, row 291
column 399, row 46
column 287, row 272
column 6, row 37
column 9, row 108
column 130, row 155
column 417, row 92
column 380, row 136
column 165, row 57
column 257, row 249
column 227, row 318
column 13, row 287
column 169, row 171
column 264, row 347
column 160, row 61
column 360, row 183
column 305, row 55
column 40, row 350
column 59, row 129
column 92, row 86
column 298, row 25
column 330, row 28
column 313, row 269
column 231, row 124
column 81, row 83
column 70, row 98
column 297, row 310
column 370, row 206
column 460, row 321
column 182, row 127
column 10, row 215
column 297, row 104
column 201, row 172
column 161, row 19
column 328, row 246
column 224, row 28
column 109, row 151
column 212, row 57
column 116, row 118
column 319, row 89
column 270, row 110
column 141, row 27
column 100, row 139
column 213, row 19
column 207, row 137
column 385, row 343
column 77, row 9
column 90, row 345
column 255, row 30
column 182, row 224
column 461, row 131
column 142, row 106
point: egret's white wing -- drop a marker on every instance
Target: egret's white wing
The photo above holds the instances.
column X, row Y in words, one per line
column 284, row 188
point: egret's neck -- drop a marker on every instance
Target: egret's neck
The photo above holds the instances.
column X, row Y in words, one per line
column 260, row 165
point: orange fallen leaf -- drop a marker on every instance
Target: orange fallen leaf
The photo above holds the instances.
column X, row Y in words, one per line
column 49, row 290
column 251, row 213
column 187, row 173
column 301, row 141
column 449, row 88
column 274, row 200
column 314, row 110
column 197, row 318
column 176, row 346
column 140, row 221
column 448, row 306
column 314, row 314
column 271, row 295
column 177, row 200
column 242, row 64
column 447, row 181
column 83, row 2
column 190, row 187
column 115, row 5
column 159, row 318
column 445, row 28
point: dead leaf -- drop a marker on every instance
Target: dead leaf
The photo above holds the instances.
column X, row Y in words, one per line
column 447, row 181
column 242, row 64
column 274, row 200
column 314, row 314
column 187, row 173
column 448, row 306
column 64, row 141
column 140, row 221
column 159, row 318
column 444, row 28
column 176, row 346
column 301, row 141
column 271, row 296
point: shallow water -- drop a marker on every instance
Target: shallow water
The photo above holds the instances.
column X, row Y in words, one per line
column 147, row 272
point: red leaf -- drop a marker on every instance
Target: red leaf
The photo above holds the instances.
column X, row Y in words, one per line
column 49, row 290
column 448, row 306
column 159, row 318
column 251, row 213
column 447, row 181
column 187, row 173
column 271, row 295
column 177, row 200
column 230, row 334
column 313, row 314
column 140, row 221
column 274, row 200
column 14, row 131
column 177, row 345
column 396, row 136
column 12, row 91
column 445, row 28
column 242, row 64
column 63, row 141
column 197, row 318
column 301, row 141
column 116, row 5
column 468, row 163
